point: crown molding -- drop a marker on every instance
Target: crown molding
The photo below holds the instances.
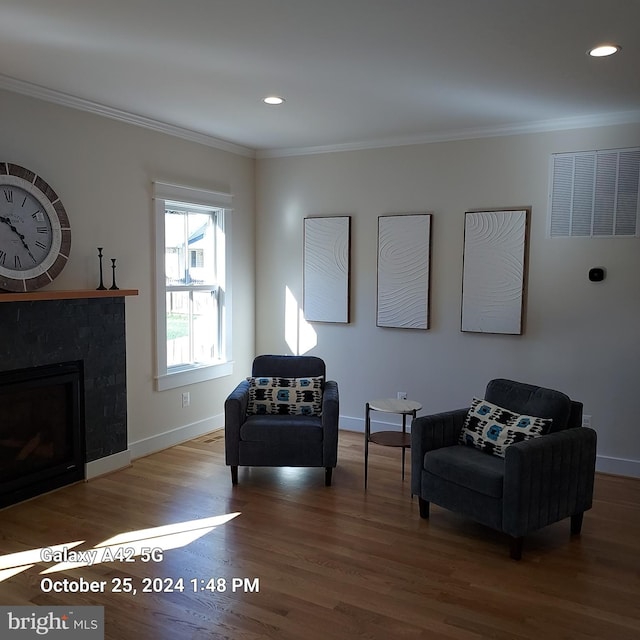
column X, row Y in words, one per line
column 542, row 126
column 66, row 100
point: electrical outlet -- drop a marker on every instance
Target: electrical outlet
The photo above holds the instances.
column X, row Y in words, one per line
column 402, row 395
column 186, row 399
column 586, row 420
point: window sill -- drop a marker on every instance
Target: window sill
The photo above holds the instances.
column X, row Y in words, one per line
column 193, row 375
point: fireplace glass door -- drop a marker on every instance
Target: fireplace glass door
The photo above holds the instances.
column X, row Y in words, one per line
column 41, row 430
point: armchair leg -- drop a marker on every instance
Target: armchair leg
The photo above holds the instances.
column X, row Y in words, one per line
column 576, row 524
column 234, row 475
column 327, row 476
column 424, row 508
column 516, row 548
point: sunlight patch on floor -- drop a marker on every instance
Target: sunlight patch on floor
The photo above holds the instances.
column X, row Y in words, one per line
column 122, row 547
column 15, row 563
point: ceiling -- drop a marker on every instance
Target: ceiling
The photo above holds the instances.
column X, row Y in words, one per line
column 354, row 73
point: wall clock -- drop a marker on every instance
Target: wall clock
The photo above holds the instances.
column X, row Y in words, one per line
column 35, row 236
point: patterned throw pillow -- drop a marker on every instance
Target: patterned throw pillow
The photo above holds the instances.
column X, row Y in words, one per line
column 285, row 396
column 491, row 428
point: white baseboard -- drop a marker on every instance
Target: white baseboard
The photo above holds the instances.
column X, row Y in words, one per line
column 107, row 465
column 351, row 424
column 146, row 446
column 357, row 424
column 175, row 436
column 618, row 466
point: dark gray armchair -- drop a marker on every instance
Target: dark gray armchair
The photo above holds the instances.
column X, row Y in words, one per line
column 538, row 481
column 282, row 440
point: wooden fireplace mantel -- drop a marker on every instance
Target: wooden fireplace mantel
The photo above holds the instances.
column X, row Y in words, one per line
column 66, row 295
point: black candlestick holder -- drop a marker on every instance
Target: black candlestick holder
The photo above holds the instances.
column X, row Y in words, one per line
column 113, row 275
column 101, row 287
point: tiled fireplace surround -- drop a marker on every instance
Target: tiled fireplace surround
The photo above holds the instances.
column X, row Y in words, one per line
column 91, row 329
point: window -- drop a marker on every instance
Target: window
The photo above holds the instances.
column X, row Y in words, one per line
column 192, row 285
column 196, row 258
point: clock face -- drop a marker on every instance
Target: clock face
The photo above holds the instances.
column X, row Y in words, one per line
column 26, row 231
column 35, row 237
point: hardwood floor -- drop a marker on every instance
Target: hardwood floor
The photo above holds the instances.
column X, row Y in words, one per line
column 334, row 562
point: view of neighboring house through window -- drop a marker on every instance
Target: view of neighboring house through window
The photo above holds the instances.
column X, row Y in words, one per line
column 193, row 306
column 192, row 287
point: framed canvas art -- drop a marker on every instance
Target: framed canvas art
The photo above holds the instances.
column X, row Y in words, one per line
column 404, row 247
column 493, row 277
column 327, row 242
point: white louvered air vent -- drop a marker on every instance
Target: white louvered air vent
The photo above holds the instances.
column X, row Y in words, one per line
column 595, row 193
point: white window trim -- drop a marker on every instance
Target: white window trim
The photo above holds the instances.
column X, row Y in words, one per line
column 164, row 379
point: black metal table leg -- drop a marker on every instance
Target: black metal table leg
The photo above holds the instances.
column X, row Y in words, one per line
column 367, row 431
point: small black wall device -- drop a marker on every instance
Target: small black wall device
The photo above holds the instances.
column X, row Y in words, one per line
column 596, row 274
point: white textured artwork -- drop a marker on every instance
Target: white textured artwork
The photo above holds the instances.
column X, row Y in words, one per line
column 326, row 269
column 403, row 271
column 493, row 273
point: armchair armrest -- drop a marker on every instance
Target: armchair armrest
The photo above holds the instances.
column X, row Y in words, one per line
column 235, row 411
column 547, row 479
column 433, row 432
column 330, row 413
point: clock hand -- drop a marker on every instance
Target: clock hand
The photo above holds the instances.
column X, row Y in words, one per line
column 7, row 221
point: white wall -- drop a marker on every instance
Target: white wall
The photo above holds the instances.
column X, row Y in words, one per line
column 580, row 337
column 103, row 171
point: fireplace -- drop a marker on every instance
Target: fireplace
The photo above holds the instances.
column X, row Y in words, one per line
column 41, row 430
column 58, row 328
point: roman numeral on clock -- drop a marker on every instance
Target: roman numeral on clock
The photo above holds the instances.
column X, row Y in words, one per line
column 3, row 255
column 8, row 194
column 42, row 245
column 16, row 261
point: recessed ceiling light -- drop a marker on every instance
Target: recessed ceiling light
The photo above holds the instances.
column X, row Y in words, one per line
column 604, row 50
column 273, row 100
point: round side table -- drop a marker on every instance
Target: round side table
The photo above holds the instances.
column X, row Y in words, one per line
column 388, row 438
